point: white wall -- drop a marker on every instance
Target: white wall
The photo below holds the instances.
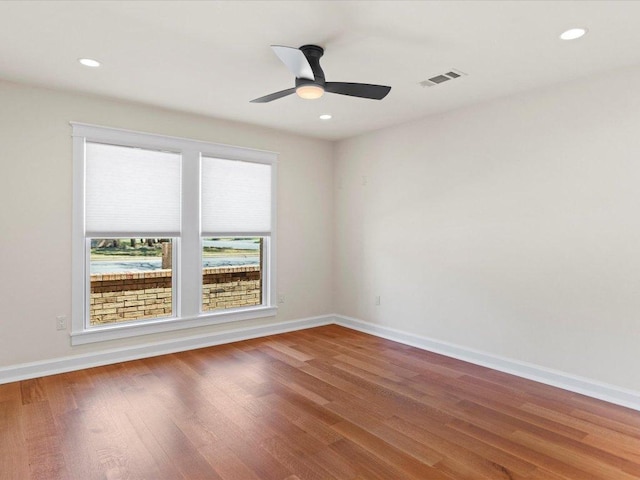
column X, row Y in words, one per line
column 35, row 213
column 511, row 227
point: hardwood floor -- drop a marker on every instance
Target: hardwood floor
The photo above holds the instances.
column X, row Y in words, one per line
column 324, row 403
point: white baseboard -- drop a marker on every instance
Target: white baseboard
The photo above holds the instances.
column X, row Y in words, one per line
column 556, row 378
column 24, row 371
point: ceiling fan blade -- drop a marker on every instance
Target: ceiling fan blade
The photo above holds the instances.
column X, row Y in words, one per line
column 274, row 96
column 362, row 90
column 295, row 61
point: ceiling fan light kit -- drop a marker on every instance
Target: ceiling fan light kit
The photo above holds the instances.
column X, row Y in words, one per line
column 309, row 92
column 310, row 84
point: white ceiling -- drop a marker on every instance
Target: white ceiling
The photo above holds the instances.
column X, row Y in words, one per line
column 212, row 57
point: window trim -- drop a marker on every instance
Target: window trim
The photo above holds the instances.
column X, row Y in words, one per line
column 188, row 287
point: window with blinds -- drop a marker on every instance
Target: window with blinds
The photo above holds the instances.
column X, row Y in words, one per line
column 236, row 230
column 132, row 217
column 169, row 233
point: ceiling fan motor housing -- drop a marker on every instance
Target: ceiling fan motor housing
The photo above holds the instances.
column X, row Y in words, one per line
column 313, row 53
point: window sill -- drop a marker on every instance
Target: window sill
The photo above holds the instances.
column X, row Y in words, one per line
column 117, row 331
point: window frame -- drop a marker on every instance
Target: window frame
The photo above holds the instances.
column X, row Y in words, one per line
column 187, row 266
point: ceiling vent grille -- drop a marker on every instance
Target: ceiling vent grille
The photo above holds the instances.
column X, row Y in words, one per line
column 442, row 78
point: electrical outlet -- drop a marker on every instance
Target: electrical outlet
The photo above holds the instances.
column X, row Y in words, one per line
column 378, row 300
column 61, row 322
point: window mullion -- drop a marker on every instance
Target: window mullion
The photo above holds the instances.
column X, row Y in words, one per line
column 190, row 273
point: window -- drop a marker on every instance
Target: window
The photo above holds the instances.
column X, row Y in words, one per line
column 169, row 233
column 232, row 272
column 130, row 279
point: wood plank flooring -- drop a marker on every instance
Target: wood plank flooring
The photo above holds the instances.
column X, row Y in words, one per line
column 319, row 404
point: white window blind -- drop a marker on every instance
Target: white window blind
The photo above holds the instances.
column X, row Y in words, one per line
column 236, row 196
column 131, row 191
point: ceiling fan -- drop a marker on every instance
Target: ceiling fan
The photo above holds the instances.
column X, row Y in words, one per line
column 304, row 63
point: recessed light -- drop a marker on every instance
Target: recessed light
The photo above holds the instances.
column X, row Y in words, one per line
column 89, row 62
column 326, row 116
column 573, row 33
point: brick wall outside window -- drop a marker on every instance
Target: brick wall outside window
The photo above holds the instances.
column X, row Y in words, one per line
column 122, row 297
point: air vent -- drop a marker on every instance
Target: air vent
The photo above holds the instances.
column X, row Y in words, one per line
column 442, row 78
